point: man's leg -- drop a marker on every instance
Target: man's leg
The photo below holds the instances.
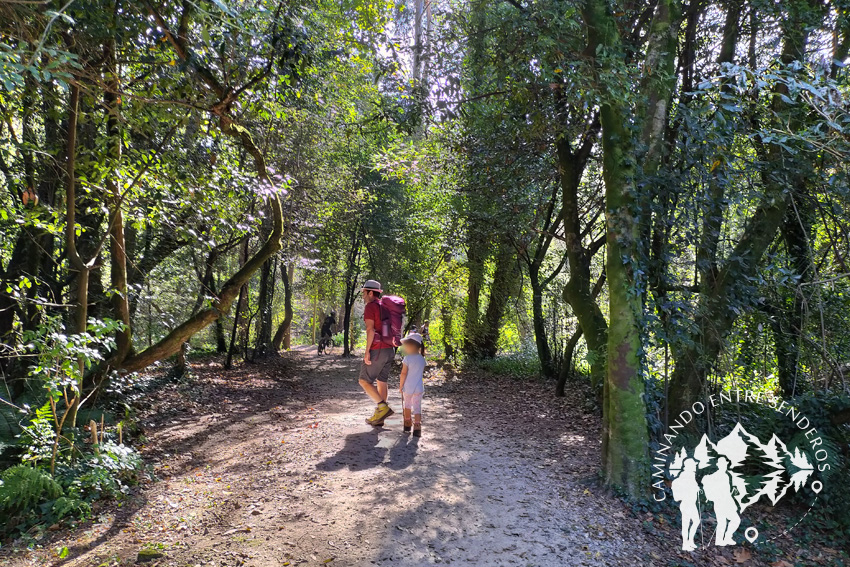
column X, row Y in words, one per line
column 385, row 366
column 372, row 391
column 382, row 360
column 368, row 374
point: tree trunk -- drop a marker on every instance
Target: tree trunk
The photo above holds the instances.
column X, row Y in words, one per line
column 625, row 438
column 351, row 286
column 117, row 247
column 796, row 228
column 181, row 365
column 543, row 242
column 472, row 323
column 283, row 336
column 547, row 366
column 80, row 311
column 567, row 363
column 264, row 314
column 577, row 293
column 446, row 317
column 242, row 315
column 505, row 280
column 228, row 362
column 220, row 340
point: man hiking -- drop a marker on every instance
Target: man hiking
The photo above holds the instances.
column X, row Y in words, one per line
column 379, row 356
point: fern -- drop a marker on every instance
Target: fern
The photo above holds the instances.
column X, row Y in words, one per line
column 65, row 506
column 24, row 488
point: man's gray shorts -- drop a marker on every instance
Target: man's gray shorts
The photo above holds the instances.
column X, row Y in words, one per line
column 382, row 362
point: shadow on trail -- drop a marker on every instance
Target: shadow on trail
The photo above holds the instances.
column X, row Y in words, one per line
column 245, row 397
column 123, row 518
column 403, row 453
column 360, row 452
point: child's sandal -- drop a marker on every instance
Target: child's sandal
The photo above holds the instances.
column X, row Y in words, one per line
column 417, row 430
column 407, row 425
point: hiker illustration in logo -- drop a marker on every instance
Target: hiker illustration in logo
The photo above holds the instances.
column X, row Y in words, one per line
column 686, row 490
column 712, row 470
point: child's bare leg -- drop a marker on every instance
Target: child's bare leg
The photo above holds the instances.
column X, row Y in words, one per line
column 417, row 418
column 407, row 421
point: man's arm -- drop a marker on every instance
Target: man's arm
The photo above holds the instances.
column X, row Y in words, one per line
column 370, row 335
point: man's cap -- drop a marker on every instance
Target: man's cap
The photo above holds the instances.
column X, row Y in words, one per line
column 372, row 285
column 413, row 338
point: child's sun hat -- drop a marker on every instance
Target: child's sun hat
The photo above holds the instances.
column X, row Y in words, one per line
column 413, row 338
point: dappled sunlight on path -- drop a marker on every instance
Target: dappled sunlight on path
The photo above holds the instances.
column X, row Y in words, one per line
column 272, row 464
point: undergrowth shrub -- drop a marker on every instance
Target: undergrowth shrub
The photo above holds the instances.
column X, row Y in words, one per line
column 58, row 466
column 520, row 364
column 29, row 495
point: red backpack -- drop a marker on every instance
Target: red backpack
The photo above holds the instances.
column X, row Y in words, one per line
column 392, row 313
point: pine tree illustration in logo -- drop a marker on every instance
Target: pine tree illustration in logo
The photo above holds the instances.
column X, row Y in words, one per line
column 771, row 469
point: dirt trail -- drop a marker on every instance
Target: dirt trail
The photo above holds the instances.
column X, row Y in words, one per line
column 272, row 464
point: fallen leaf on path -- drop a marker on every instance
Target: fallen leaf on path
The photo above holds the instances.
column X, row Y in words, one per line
column 781, row 563
column 742, row 555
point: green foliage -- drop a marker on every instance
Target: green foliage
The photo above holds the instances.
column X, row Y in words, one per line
column 61, row 474
column 108, row 471
column 520, row 365
column 29, row 495
column 25, row 487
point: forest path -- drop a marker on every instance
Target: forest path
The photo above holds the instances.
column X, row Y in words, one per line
column 271, row 464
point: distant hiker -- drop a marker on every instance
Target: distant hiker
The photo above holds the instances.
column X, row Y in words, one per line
column 425, row 332
column 327, row 331
column 412, row 386
column 686, row 491
column 379, row 356
column 719, row 490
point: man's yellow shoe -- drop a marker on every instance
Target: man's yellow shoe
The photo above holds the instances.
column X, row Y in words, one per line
column 382, row 412
column 374, row 417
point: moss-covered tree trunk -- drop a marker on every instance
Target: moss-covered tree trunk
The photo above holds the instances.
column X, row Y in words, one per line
column 625, row 437
column 283, row 336
column 625, row 457
column 503, row 287
column 578, row 293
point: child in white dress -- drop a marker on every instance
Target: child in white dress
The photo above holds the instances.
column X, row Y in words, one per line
column 412, row 386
